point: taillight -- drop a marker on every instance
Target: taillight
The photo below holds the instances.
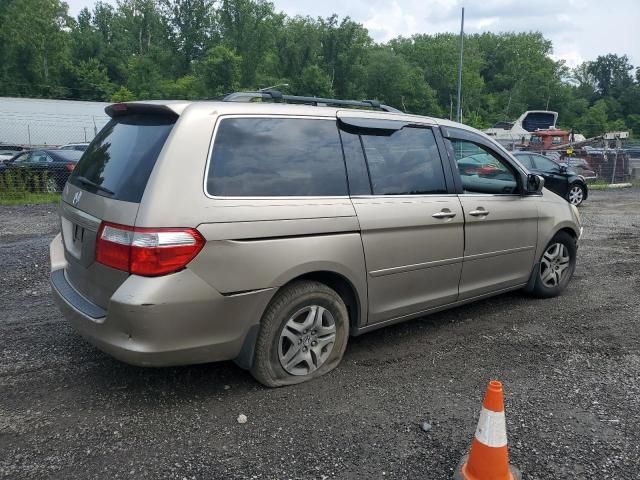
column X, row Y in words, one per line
column 148, row 252
column 70, row 166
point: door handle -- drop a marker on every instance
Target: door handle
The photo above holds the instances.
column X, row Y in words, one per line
column 480, row 212
column 444, row 214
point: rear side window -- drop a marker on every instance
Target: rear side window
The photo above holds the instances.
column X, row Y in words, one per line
column 357, row 172
column 545, row 164
column 265, row 157
column 66, row 155
column 405, row 162
column 120, row 159
column 525, row 160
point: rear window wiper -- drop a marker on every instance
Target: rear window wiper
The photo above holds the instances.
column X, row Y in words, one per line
column 86, row 181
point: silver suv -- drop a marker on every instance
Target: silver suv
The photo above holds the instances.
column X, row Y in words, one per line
column 268, row 232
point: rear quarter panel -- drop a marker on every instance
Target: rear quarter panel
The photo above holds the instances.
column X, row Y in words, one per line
column 252, row 243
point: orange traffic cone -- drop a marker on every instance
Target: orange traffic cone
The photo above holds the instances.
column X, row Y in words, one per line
column 489, row 456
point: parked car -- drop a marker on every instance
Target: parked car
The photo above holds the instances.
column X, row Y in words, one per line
column 580, row 166
column 269, row 233
column 8, row 151
column 49, row 169
column 557, row 177
column 479, row 164
column 483, row 165
column 75, row 146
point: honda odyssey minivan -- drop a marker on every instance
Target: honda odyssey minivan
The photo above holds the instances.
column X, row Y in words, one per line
column 268, row 229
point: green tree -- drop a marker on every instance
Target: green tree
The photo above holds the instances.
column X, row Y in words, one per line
column 248, row 28
column 192, row 27
column 34, row 47
column 633, row 121
column 394, row 81
column 90, row 80
column 202, row 48
column 219, row 72
column 123, row 95
column 314, row 82
column 594, row 121
column 343, row 51
column 586, row 82
column 186, row 87
column 144, row 77
column 611, row 71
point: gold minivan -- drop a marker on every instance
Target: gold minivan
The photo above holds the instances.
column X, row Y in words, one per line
column 268, row 229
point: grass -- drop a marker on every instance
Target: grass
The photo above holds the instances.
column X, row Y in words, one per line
column 605, row 186
column 602, row 184
column 24, row 187
column 27, row 198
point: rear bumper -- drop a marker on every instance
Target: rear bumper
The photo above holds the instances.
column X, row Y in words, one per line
column 177, row 319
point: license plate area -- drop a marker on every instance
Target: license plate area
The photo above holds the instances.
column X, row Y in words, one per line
column 78, row 235
column 79, row 242
column 72, row 234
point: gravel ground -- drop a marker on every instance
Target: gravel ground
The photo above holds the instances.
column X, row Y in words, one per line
column 570, row 366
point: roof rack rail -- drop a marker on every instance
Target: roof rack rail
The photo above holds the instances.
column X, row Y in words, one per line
column 277, row 97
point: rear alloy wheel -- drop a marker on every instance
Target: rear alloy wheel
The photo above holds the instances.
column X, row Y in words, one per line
column 576, row 194
column 52, row 185
column 303, row 335
column 556, row 266
column 307, row 340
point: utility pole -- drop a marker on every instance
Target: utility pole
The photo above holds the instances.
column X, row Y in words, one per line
column 459, row 111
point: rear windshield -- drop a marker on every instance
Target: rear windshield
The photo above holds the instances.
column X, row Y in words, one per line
column 120, row 159
column 66, row 155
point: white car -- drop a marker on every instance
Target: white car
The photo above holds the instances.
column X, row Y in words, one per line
column 75, row 146
column 9, row 151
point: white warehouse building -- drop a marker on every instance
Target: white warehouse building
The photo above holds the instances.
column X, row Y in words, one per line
column 39, row 122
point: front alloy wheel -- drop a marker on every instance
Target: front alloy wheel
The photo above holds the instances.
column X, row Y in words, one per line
column 554, row 265
column 576, row 195
column 51, row 185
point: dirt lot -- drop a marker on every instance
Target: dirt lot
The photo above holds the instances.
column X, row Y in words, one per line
column 571, row 368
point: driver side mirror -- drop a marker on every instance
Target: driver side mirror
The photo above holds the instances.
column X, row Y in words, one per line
column 535, row 184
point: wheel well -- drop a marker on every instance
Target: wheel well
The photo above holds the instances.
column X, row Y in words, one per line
column 337, row 282
column 343, row 287
column 570, row 231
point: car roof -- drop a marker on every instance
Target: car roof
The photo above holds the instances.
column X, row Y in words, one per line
column 209, row 107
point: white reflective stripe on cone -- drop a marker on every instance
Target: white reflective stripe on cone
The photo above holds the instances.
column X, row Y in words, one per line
column 492, row 429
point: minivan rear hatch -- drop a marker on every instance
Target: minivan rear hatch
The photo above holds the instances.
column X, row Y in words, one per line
column 107, row 185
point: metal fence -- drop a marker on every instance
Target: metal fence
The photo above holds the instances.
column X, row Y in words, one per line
column 32, row 167
column 40, row 134
column 609, row 165
column 35, row 172
column 49, row 122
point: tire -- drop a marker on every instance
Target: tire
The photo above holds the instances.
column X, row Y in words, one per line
column 303, row 311
column 576, row 194
column 550, row 278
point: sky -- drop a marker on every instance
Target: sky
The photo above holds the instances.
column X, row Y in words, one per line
column 579, row 29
